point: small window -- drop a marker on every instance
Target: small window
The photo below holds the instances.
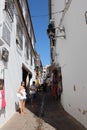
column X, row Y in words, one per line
column 6, row 34
column 31, row 56
column 19, row 35
column 27, row 50
column 9, row 6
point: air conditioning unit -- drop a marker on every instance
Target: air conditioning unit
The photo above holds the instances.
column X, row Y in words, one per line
column 5, row 54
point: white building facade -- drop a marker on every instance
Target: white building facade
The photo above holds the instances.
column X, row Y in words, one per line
column 69, row 19
column 17, row 52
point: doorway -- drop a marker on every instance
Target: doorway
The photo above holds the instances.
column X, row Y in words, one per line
column 26, row 77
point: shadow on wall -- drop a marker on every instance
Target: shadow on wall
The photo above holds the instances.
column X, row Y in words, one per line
column 2, row 111
column 17, row 108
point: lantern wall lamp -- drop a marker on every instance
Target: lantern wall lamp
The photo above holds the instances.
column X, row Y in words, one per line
column 51, row 31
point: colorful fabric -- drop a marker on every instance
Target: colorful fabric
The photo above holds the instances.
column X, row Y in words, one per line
column 54, row 91
column 2, row 99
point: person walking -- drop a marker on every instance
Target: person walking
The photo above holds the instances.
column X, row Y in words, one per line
column 55, row 83
column 59, row 88
column 33, row 91
column 37, row 84
column 22, row 97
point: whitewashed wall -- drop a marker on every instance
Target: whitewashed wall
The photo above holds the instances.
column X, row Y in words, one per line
column 12, row 76
column 13, row 71
column 72, row 53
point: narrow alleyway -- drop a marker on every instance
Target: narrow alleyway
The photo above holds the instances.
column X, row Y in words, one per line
column 53, row 114
column 47, row 115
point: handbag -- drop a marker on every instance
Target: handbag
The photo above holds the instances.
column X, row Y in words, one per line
column 18, row 95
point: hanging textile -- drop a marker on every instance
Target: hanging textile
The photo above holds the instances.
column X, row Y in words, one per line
column 2, row 99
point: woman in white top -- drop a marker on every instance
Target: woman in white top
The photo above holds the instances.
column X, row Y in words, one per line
column 22, row 93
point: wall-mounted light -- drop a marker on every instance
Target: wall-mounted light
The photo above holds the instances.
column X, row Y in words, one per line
column 86, row 17
column 51, row 31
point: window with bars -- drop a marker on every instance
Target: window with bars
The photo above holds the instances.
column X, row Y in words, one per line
column 19, row 35
column 9, row 7
column 27, row 20
column 6, row 34
column 21, row 3
column 27, row 49
column 31, row 56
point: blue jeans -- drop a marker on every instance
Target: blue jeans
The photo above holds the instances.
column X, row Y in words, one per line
column 33, row 96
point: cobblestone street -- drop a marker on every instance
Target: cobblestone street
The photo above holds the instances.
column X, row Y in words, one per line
column 47, row 115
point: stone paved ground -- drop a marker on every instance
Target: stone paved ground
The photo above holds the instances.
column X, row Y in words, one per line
column 58, row 118
column 47, row 115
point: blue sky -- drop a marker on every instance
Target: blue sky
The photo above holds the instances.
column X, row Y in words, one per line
column 40, row 20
